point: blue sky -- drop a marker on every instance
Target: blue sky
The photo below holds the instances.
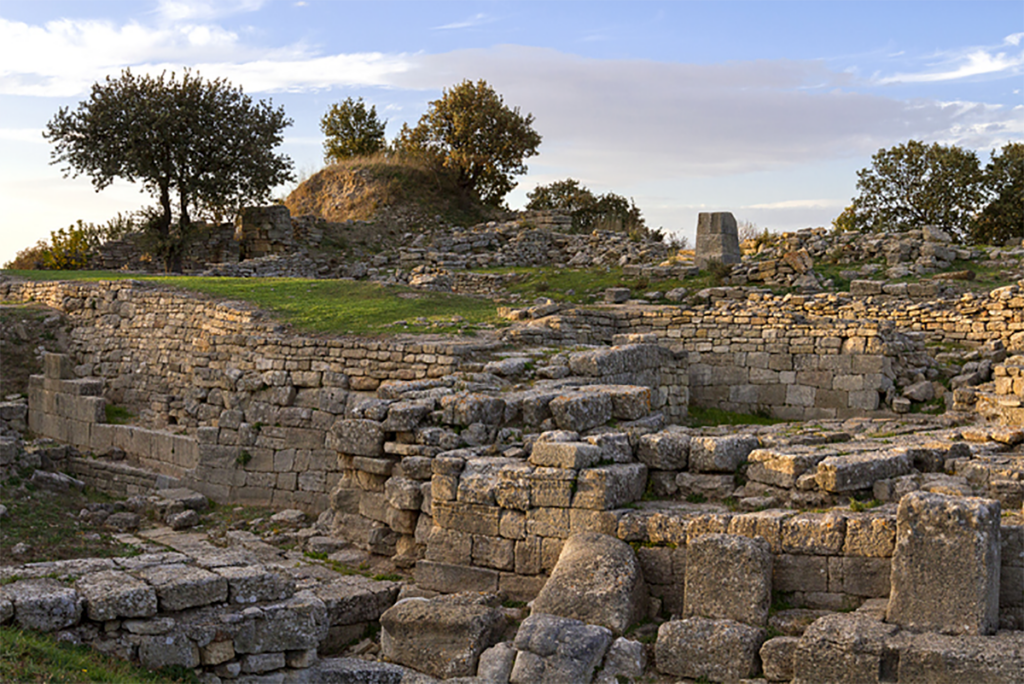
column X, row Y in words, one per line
column 765, row 109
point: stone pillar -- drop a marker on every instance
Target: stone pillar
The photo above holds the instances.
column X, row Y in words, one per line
column 264, row 230
column 717, row 239
column 945, row 567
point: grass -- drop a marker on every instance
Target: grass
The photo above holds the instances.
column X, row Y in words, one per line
column 330, row 306
column 41, row 659
column 706, row 417
column 118, row 415
column 579, row 286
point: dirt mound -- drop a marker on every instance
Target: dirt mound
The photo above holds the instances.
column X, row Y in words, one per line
column 26, row 330
column 403, row 193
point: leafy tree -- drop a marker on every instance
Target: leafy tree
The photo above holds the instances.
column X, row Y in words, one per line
column 471, row 132
column 352, row 130
column 1003, row 219
column 589, row 211
column 196, row 145
column 914, row 185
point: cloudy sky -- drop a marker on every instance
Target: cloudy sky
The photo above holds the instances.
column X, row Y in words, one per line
column 766, row 109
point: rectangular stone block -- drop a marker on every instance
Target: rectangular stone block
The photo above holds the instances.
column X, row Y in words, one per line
column 183, row 586
column 800, row 573
column 945, row 567
column 471, row 518
column 610, row 486
column 548, row 522
column 572, row 455
column 851, row 472
column 820, row 534
column 452, row 579
column 112, row 595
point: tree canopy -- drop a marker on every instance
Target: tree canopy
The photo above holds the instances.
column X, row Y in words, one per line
column 1003, row 218
column 589, row 211
column 913, row 185
column 200, row 146
column 352, row 130
column 472, row 133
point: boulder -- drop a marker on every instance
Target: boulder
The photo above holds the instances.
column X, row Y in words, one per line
column 556, row 650
column 597, row 580
column 43, row 605
column 720, row 454
column 444, row 636
column 845, row 648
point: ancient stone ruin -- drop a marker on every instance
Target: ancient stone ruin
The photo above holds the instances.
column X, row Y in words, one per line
column 549, row 515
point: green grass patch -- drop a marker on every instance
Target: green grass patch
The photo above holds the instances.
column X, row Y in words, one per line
column 39, row 658
column 707, row 417
column 582, row 286
column 334, row 306
column 118, row 415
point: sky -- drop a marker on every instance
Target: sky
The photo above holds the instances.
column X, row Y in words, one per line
column 765, row 109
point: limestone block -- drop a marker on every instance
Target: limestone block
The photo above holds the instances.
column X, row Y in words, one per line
column 513, row 489
column 945, row 567
column 666, row 450
column 217, row 652
column 614, row 446
column 548, row 522
column 719, row 650
column 780, row 468
column 764, row 524
column 448, row 578
column 551, row 487
column 845, row 647
column 471, row 518
column 357, row 437
column 609, row 487
column 353, row 599
column 57, row 366
column 629, row 402
column 449, row 546
column 495, row 664
column 597, row 580
column 479, row 480
column 582, row 410
column 167, row 650
column 777, row 658
column 705, row 484
column 43, row 605
column 444, row 636
column 554, row 650
column 940, row 659
column 493, row 552
column 296, row 624
column 867, row 577
column 717, row 239
column 565, row 454
column 870, row 534
column 728, row 577
column 819, row 534
column 404, row 416
column 112, row 594
column 466, row 409
column 624, row 658
column 403, row 494
column 183, row 586
column 254, row 583
column 720, row 454
column 851, row 472
column 800, row 573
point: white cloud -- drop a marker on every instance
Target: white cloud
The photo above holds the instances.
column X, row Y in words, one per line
column 973, row 62
column 475, row 20
column 205, row 10
column 32, row 135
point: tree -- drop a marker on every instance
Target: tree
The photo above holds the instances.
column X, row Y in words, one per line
column 471, row 132
column 202, row 146
column 352, row 130
column 1002, row 219
column 914, row 185
column 589, row 211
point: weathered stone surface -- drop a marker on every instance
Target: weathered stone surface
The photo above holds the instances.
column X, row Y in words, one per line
column 296, row 624
column 555, row 650
column 728, row 577
column 403, row 494
column 845, row 648
column 597, row 580
column 777, row 658
column 404, row 416
column 859, row 471
column 467, row 409
column 113, row 594
column 449, row 578
column 609, row 487
column 717, row 239
column 357, row 437
column 359, row 671
column 720, row 454
column 625, row 658
column 780, row 467
column 352, row 600
column 495, row 664
column 665, row 450
column 479, row 480
column 582, row 410
column 254, row 583
column 167, row 650
column 941, row 659
column 720, row 650
column 573, row 455
column 444, row 636
column 43, row 605
column 183, row 586
column 945, row 567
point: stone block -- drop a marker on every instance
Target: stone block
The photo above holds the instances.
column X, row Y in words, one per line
column 442, row 637
column 296, row 624
column 666, row 450
column 728, row 577
column 514, row 486
column 479, row 480
column 355, row 600
column 254, row 583
column 945, row 566
column 597, row 580
column 800, row 573
column 183, row 586
column 403, row 494
column 569, row 455
column 357, row 437
column 447, row 578
column 471, row 518
column 168, row 650
column 548, row 522
column 554, row 650
column 493, row 552
column 870, row 534
column 112, row 594
column 777, row 658
column 43, row 605
column 258, row 663
column 867, row 577
column 941, row 659
column 720, row 454
column 819, row 534
column 845, row 648
column 718, row 650
column 581, row 411
column 852, row 472
column 609, row 487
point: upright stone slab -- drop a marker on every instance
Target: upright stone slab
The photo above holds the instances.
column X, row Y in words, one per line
column 597, row 580
column 945, row 567
column 728, row 577
column 717, row 239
